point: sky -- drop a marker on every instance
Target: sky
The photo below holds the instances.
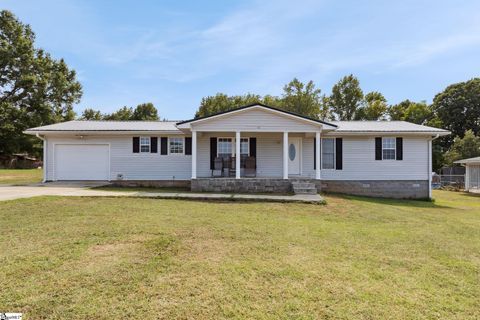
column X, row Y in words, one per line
column 173, row 53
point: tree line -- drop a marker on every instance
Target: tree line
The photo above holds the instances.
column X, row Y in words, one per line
column 37, row 89
column 457, row 109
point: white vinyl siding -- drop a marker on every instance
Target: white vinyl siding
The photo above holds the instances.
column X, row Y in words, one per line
column 359, row 161
column 257, row 120
column 133, row 166
column 358, row 158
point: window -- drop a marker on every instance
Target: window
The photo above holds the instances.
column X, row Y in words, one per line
column 175, row 145
column 328, row 153
column 388, row 148
column 144, row 144
column 224, row 147
column 244, row 146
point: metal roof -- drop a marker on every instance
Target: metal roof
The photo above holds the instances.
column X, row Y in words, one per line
column 99, row 125
column 171, row 126
column 469, row 160
column 385, row 126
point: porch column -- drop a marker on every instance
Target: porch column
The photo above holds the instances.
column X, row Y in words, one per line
column 237, row 155
column 285, row 155
column 317, row 156
column 194, row 154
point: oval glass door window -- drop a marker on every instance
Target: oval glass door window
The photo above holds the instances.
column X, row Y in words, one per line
column 291, row 152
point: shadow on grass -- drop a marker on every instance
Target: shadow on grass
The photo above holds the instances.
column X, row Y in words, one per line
column 414, row 203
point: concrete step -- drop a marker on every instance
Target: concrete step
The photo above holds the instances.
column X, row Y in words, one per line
column 304, row 188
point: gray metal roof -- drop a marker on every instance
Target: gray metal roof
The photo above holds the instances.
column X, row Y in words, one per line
column 469, row 160
column 93, row 125
column 384, row 126
column 170, row 126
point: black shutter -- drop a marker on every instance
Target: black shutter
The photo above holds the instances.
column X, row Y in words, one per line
column 136, row 144
column 314, row 153
column 153, row 144
column 188, row 145
column 339, row 153
column 163, row 145
column 253, row 149
column 399, row 148
column 378, row 148
column 213, row 152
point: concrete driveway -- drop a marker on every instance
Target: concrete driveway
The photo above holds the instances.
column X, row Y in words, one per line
column 82, row 189
column 10, row 192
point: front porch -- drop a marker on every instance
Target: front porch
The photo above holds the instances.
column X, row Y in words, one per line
column 263, row 155
column 257, row 185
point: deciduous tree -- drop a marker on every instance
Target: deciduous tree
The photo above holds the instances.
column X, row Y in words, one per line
column 346, row 98
column 35, row 89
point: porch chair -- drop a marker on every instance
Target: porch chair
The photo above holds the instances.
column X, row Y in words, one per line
column 250, row 167
column 231, row 167
column 217, row 167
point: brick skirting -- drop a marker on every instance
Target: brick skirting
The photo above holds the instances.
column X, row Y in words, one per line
column 399, row 189
column 244, row 185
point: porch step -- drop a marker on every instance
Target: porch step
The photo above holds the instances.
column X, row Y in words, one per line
column 304, row 188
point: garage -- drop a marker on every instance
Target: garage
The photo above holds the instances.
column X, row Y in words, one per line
column 81, row 162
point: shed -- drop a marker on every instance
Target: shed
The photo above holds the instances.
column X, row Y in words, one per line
column 472, row 173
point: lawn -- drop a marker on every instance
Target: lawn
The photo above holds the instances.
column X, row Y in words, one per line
column 354, row 258
column 20, row 176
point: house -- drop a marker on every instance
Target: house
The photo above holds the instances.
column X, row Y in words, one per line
column 472, row 173
column 277, row 149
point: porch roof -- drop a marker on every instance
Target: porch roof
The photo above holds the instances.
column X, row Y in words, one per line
column 186, row 124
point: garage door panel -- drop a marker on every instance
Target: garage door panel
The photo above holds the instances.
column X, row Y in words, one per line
column 81, row 162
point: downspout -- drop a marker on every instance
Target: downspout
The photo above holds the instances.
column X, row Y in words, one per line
column 44, row 156
column 430, row 159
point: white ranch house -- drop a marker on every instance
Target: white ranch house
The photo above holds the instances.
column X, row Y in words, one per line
column 276, row 148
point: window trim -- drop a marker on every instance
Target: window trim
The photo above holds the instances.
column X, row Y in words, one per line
column 176, row 153
column 140, row 144
column 394, row 148
column 233, row 142
column 334, row 154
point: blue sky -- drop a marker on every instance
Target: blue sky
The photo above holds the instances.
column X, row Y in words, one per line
column 173, row 53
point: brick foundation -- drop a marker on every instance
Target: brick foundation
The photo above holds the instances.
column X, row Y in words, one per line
column 399, row 189
column 152, row 183
column 244, row 185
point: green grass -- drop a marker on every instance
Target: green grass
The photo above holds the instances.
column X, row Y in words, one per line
column 354, row 258
column 20, row 176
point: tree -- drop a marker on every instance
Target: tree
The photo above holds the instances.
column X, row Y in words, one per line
column 346, row 98
column 462, row 148
column 123, row 114
column 416, row 112
column 373, row 108
column 91, row 114
column 222, row 102
column 145, row 111
column 297, row 97
column 35, row 89
column 458, row 108
column 302, row 98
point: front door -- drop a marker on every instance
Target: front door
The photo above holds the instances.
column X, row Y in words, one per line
column 294, row 155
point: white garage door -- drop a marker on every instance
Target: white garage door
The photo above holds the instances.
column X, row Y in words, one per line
column 81, row 162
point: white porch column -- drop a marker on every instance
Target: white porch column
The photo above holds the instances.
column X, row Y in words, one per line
column 317, row 156
column 237, row 155
column 194, row 154
column 285, row 155
column 430, row 168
